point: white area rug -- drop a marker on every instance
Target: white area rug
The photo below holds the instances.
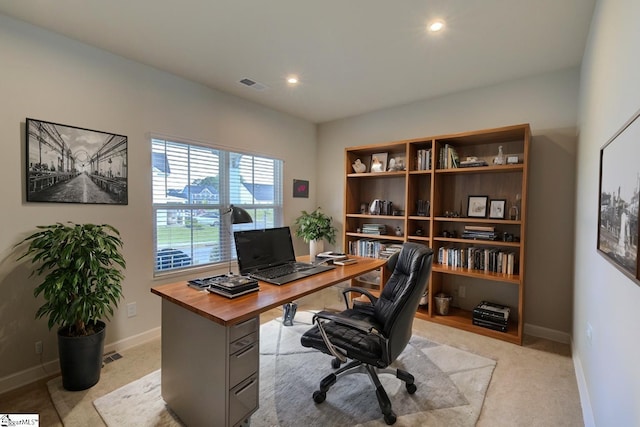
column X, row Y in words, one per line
column 451, row 387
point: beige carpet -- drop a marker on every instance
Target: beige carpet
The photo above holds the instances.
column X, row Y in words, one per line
column 451, row 387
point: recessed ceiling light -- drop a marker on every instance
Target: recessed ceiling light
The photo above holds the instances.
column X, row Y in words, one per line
column 436, row 26
column 292, row 80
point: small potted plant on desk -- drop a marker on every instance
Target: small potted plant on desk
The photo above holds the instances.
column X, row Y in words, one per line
column 82, row 284
column 314, row 228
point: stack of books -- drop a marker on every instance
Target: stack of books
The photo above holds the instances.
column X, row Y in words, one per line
column 473, row 163
column 389, row 250
column 378, row 229
column 479, row 232
column 227, row 286
column 491, row 315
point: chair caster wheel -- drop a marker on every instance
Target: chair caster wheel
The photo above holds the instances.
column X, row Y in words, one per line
column 335, row 363
column 390, row 418
column 411, row 388
column 319, row 396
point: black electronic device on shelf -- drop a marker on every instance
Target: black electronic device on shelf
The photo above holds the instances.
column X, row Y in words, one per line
column 491, row 315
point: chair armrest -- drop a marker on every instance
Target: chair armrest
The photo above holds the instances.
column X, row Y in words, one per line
column 361, row 291
column 360, row 325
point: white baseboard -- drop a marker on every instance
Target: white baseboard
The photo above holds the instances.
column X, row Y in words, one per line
column 585, row 401
column 550, row 334
column 31, row 375
column 28, row 376
column 133, row 341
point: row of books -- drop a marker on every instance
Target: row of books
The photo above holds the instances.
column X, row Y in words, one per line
column 491, row 315
column 448, row 158
column 424, row 159
column 494, row 260
column 370, row 248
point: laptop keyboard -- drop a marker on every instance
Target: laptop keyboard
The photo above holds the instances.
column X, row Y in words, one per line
column 281, row 270
column 277, row 271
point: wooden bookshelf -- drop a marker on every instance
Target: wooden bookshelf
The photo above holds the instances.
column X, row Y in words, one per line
column 445, row 187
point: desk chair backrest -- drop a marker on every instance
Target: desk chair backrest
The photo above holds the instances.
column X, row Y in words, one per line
column 396, row 307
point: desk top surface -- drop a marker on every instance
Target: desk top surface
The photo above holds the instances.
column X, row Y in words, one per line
column 226, row 311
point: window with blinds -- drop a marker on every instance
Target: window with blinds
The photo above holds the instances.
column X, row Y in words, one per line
column 193, row 187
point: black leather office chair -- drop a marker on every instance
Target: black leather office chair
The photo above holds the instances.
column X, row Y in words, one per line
column 374, row 334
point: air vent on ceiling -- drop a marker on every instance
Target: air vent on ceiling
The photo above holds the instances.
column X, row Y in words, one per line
column 253, row 84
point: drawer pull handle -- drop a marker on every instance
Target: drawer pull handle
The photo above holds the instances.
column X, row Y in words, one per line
column 246, row 322
column 249, row 384
column 245, row 351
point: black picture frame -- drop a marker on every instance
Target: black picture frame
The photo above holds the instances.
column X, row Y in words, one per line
column 618, row 202
column 301, row 188
column 477, row 206
column 497, row 208
column 69, row 164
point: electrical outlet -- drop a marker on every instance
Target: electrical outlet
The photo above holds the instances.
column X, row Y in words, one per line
column 131, row 309
column 589, row 333
column 38, row 347
column 462, row 291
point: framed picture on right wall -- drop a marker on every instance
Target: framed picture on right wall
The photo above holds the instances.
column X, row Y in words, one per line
column 619, row 199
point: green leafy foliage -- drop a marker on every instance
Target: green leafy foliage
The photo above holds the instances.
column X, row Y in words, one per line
column 81, row 265
column 315, row 226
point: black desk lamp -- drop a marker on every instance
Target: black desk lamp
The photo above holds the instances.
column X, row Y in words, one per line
column 238, row 216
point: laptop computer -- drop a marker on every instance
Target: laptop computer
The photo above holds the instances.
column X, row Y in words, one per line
column 268, row 255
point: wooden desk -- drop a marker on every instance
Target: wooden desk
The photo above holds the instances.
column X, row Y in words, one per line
column 210, row 344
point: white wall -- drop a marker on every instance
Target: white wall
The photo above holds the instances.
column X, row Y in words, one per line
column 604, row 298
column 52, row 78
column 549, row 103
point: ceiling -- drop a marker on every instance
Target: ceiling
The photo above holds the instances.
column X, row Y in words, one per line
column 351, row 56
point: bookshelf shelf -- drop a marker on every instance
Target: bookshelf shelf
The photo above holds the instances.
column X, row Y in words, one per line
column 445, row 191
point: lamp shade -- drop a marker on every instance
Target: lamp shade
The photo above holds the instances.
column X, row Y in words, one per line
column 239, row 215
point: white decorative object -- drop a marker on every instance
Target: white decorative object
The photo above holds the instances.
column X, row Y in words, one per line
column 358, row 166
column 315, row 247
column 499, row 160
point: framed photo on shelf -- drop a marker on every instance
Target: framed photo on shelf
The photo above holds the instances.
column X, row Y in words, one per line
column 379, row 162
column 619, row 200
column 397, row 163
column 497, row 208
column 477, row 206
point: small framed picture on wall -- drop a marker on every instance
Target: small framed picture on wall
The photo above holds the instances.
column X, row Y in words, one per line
column 301, row 188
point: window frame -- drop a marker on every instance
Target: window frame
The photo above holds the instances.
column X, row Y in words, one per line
column 222, row 248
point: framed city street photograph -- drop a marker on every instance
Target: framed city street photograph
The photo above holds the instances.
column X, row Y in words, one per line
column 618, row 205
column 68, row 164
column 477, row 206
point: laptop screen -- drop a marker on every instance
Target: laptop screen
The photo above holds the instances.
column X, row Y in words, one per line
column 258, row 249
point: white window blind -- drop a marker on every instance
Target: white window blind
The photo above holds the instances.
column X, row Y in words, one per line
column 193, row 187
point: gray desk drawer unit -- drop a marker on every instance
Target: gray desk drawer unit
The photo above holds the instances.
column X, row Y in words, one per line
column 209, row 371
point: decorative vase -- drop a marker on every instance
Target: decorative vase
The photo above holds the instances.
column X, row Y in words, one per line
column 315, row 247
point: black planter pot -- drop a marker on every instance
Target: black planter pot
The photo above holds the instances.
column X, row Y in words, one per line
column 81, row 359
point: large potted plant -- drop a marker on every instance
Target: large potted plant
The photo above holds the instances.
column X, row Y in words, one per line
column 81, row 265
column 314, row 228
